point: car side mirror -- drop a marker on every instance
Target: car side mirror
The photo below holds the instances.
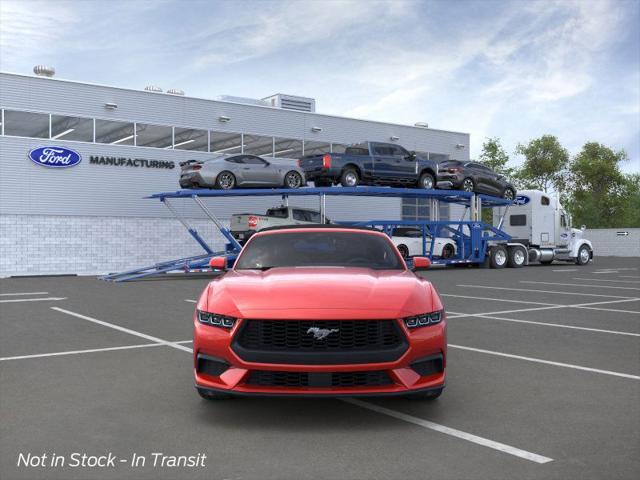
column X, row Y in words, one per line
column 218, row 263
column 411, row 156
column 421, row 263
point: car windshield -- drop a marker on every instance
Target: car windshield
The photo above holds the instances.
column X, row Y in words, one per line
column 319, row 249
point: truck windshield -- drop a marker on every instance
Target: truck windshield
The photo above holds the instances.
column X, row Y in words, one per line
column 319, row 249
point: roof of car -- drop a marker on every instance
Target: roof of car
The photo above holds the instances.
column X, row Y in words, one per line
column 327, row 226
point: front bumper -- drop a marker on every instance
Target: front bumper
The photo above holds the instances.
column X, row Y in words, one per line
column 420, row 368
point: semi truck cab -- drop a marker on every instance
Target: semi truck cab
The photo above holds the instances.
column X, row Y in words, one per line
column 539, row 223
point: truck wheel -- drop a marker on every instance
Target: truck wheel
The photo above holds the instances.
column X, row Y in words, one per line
column 517, row 257
column 404, row 251
column 225, row 180
column 293, row 179
column 426, row 181
column 498, row 257
column 349, row 178
column 584, row 255
column 468, row 185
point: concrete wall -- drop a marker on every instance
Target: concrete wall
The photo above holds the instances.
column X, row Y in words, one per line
column 612, row 241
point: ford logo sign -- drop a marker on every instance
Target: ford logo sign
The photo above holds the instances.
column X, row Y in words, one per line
column 521, row 200
column 55, row 157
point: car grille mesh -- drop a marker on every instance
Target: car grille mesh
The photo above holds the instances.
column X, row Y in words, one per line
column 283, row 335
column 268, row 378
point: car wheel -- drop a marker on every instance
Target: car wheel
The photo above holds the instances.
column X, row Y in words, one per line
column 210, row 395
column 427, row 182
column 431, row 395
column 584, row 255
column 517, row 257
column 448, row 251
column 468, row 185
column 225, row 180
column 293, row 179
column 349, row 178
column 508, row 194
column 404, row 251
column 498, row 257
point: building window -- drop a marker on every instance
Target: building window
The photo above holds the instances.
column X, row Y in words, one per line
column 287, row 148
column 419, row 209
column 191, row 139
column 258, row 145
column 226, row 143
column 26, row 124
column 156, row 136
column 316, row 148
column 71, row 128
column 114, row 133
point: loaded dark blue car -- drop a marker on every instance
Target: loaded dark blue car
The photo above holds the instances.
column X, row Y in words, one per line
column 370, row 163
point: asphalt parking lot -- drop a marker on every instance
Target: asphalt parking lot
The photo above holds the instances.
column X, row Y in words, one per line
column 543, row 382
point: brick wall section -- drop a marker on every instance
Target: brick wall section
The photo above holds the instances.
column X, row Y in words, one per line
column 44, row 245
column 607, row 242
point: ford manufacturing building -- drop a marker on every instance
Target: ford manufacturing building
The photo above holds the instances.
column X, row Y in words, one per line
column 92, row 218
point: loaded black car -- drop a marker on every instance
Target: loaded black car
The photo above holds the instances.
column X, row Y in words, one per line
column 474, row 177
column 370, row 163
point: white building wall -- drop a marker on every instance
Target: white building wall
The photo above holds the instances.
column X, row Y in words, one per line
column 613, row 242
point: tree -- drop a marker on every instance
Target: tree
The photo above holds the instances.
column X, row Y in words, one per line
column 598, row 193
column 495, row 157
column 545, row 164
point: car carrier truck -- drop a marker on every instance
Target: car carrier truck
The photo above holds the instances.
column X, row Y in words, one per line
column 540, row 231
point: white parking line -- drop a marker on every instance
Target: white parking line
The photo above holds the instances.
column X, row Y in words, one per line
column 92, row 350
column 580, row 285
column 546, row 324
column 533, row 457
column 497, row 299
column 546, row 291
column 605, row 280
column 190, row 301
column 546, row 362
column 44, row 299
column 566, row 270
column 123, row 329
column 629, row 276
column 22, row 293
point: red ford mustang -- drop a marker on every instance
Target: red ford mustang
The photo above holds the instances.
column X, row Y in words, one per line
column 319, row 311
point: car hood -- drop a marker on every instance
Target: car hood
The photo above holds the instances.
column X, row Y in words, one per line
column 320, row 293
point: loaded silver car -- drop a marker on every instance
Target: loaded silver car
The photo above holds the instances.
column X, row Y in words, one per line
column 232, row 171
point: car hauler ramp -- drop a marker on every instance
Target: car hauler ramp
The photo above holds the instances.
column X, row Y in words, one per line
column 471, row 236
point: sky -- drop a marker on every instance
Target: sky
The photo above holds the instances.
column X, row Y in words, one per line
column 509, row 69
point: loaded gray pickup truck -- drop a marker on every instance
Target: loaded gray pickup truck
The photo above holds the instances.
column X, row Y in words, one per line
column 370, row 163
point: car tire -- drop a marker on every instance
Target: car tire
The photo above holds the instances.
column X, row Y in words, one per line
column 468, row 185
column 404, row 251
column 427, row 182
column 431, row 395
column 584, row 255
column 293, row 180
column 498, row 257
column 448, row 251
column 225, row 180
column 509, row 194
column 349, row 178
column 212, row 396
column 517, row 257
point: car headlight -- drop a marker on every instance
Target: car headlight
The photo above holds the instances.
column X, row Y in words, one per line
column 216, row 320
column 424, row 319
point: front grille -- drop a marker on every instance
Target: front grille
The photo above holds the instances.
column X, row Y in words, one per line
column 266, row 378
column 292, row 341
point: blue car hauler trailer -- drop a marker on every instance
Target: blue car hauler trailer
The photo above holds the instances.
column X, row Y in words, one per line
column 473, row 237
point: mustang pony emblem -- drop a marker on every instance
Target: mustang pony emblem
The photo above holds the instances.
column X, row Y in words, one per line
column 322, row 333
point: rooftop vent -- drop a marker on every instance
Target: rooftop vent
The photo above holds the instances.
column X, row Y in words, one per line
column 153, row 88
column 421, row 124
column 44, row 71
column 291, row 102
column 175, row 91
